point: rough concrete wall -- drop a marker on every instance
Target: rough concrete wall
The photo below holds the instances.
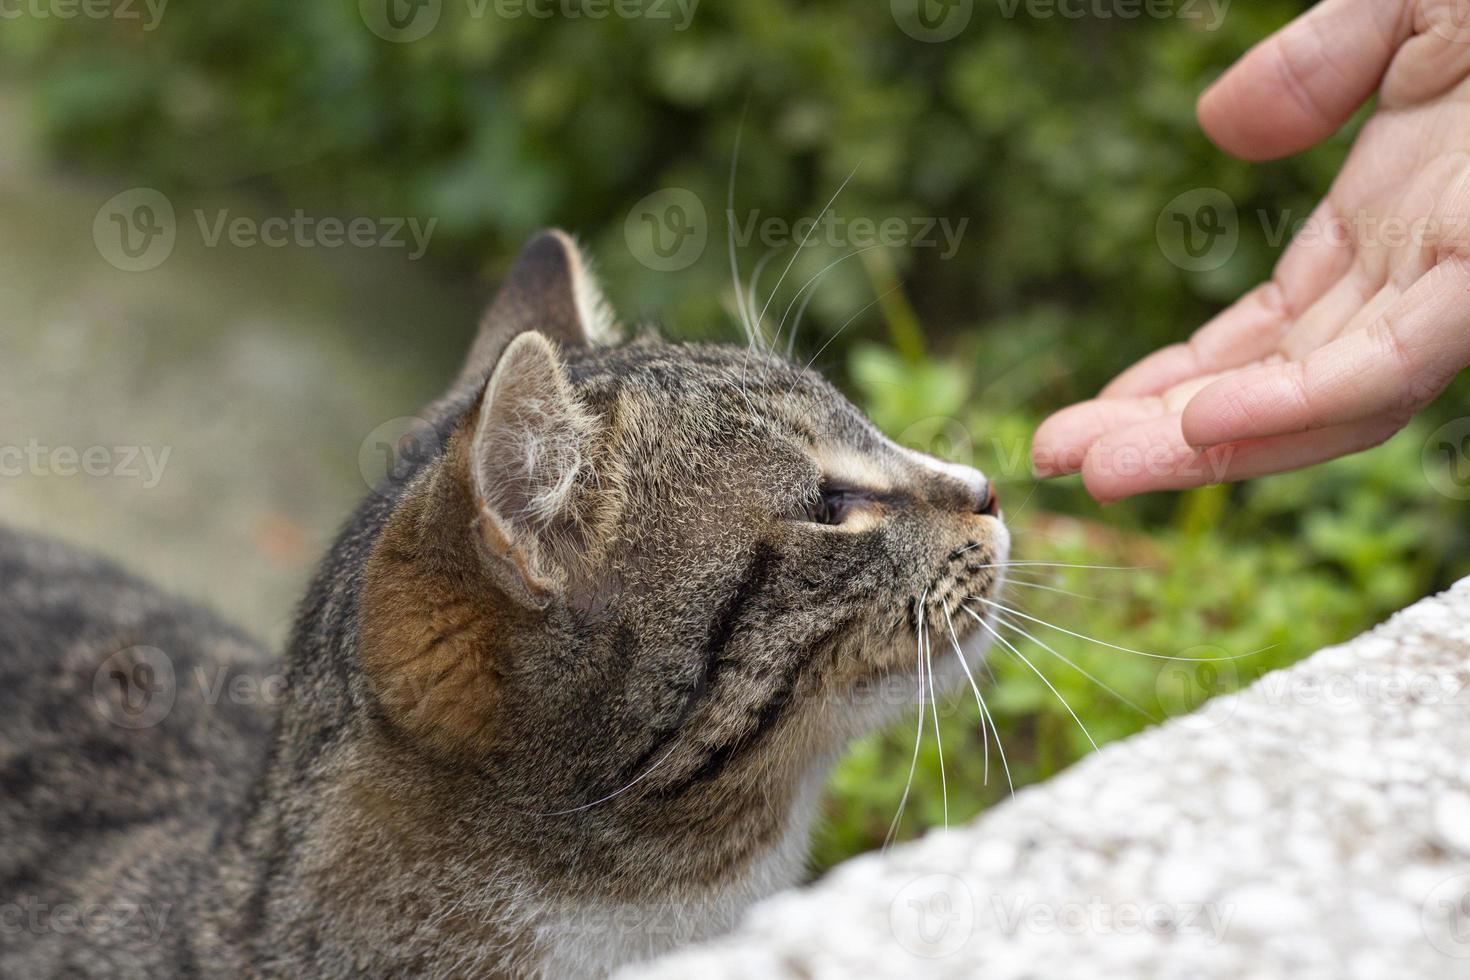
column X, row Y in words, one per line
column 1314, row 826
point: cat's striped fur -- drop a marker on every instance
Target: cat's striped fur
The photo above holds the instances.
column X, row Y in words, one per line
column 561, row 696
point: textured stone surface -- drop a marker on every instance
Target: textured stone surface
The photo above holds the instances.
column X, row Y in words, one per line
column 1323, row 832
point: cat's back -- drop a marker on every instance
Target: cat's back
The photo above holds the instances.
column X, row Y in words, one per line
column 129, row 721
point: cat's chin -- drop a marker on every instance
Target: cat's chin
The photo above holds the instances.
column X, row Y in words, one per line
column 951, row 670
column 979, row 640
column 957, row 647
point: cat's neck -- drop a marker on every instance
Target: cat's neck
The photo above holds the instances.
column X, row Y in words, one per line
column 403, row 872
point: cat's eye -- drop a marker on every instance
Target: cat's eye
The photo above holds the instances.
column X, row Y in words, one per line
column 831, row 504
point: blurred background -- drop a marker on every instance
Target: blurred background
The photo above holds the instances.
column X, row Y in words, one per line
column 241, row 243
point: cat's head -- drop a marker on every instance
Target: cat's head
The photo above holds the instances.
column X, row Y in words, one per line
column 659, row 578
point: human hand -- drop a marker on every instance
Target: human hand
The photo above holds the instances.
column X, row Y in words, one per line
column 1366, row 318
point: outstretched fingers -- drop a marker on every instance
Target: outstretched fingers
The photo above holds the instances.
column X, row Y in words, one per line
column 1390, row 368
column 1154, row 456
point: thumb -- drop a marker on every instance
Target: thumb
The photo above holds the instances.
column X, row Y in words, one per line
column 1299, row 85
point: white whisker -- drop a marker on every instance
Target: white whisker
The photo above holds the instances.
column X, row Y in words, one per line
column 796, row 324
column 587, row 806
column 938, row 742
column 1075, row 666
column 794, row 255
column 839, row 330
column 755, row 277
column 730, row 233
column 918, row 738
column 979, row 701
column 1060, row 564
column 810, row 283
column 1011, row 517
column 1051, row 588
column 751, row 338
column 1104, row 643
column 1011, row 647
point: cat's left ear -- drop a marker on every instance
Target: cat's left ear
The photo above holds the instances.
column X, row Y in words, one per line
column 550, row 289
column 529, row 462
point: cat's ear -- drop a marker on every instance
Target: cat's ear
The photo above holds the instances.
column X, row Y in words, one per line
column 550, row 289
column 528, row 460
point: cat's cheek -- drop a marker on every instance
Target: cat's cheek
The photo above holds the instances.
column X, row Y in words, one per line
column 427, row 646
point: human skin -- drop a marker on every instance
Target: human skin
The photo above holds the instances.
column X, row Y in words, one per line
column 1366, row 317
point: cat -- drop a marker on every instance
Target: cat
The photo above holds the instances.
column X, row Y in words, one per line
column 561, row 697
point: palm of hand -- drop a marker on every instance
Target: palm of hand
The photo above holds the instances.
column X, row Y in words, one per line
column 1366, row 318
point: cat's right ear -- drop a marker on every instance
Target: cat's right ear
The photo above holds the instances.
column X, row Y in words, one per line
column 529, row 463
column 550, row 289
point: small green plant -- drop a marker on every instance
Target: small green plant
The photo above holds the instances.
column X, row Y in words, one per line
column 1236, row 581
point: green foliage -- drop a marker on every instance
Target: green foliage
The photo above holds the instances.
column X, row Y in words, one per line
column 1056, row 142
column 1238, row 581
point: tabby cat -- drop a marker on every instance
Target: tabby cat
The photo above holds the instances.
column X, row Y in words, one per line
column 561, row 696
